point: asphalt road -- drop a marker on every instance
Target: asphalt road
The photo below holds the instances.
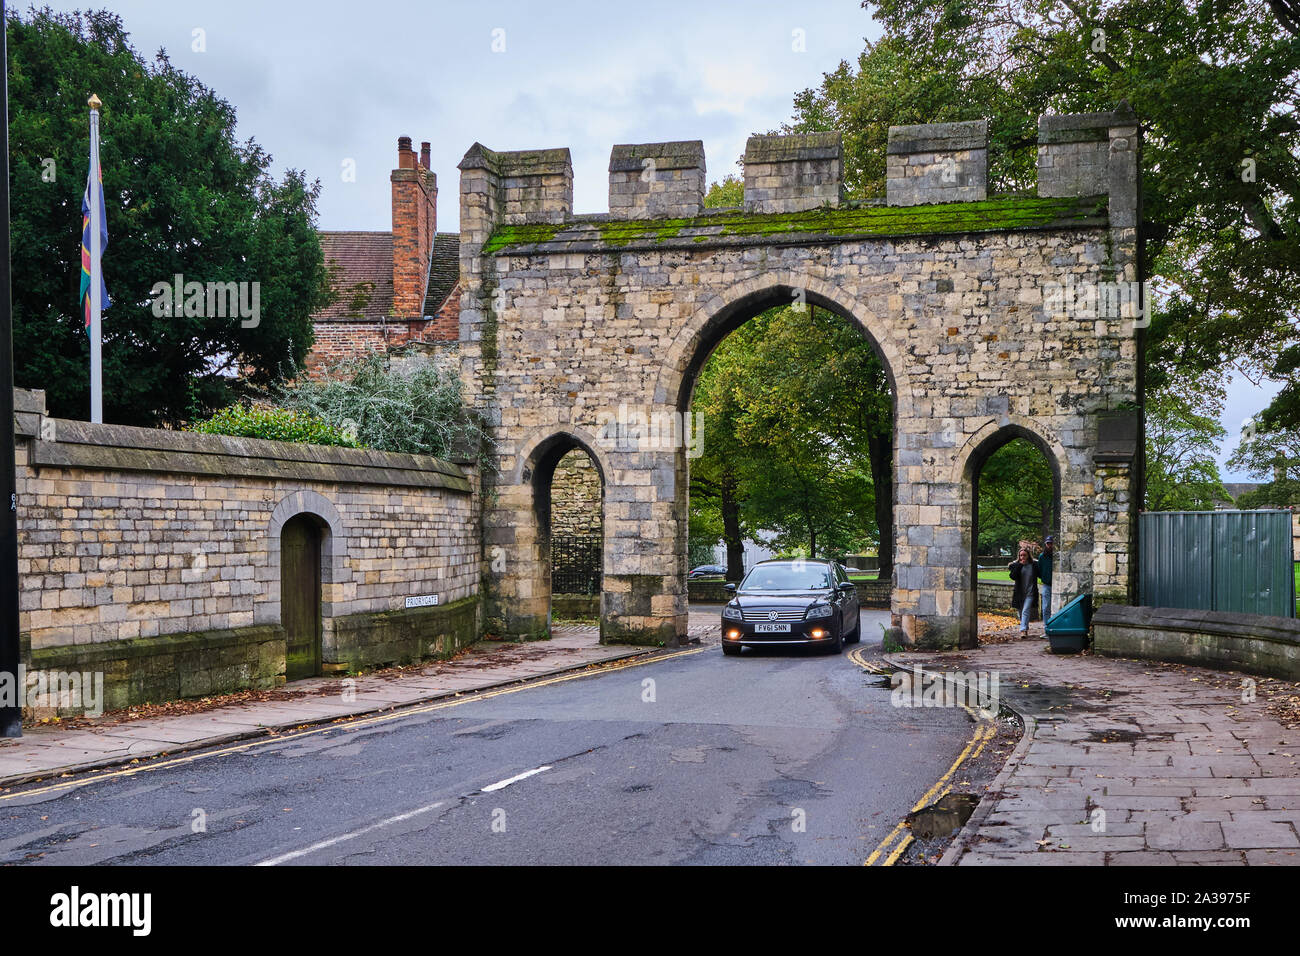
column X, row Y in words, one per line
column 772, row 758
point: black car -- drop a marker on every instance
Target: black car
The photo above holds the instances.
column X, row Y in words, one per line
column 792, row 602
column 707, row 570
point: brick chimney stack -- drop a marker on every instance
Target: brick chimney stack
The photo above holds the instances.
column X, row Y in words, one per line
column 415, row 221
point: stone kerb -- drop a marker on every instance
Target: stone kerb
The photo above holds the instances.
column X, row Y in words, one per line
column 657, row 180
column 937, row 162
column 793, row 173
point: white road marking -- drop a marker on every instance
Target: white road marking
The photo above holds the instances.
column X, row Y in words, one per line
column 502, row 784
column 295, row 854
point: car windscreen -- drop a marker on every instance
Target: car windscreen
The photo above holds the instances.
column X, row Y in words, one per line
column 787, row 577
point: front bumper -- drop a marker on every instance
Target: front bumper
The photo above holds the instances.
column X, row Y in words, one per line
column 744, row 634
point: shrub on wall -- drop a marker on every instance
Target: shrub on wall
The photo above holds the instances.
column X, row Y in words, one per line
column 408, row 404
column 273, row 424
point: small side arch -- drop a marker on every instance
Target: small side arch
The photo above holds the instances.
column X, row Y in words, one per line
column 995, row 433
column 333, row 548
column 967, row 467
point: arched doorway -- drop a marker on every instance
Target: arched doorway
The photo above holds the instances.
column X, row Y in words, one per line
column 301, row 540
column 575, row 527
column 1015, row 483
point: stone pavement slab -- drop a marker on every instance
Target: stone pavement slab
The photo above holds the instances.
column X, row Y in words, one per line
column 46, row 750
column 1129, row 762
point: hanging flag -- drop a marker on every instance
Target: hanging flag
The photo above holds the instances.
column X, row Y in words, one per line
column 94, row 193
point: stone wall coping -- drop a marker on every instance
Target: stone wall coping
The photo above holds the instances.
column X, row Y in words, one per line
column 682, row 154
column 1083, row 127
column 938, row 137
column 29, row 400
column 810, row 227
column 523, row 162
column 1194, row 620
column 797, row 147
column 128, row 448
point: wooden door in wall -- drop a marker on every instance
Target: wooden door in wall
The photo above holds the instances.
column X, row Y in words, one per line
column 300, row 593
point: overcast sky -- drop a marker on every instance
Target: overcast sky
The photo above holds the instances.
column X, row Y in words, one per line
column 319, row 84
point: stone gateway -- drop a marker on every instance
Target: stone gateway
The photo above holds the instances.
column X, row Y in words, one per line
column 568, row 319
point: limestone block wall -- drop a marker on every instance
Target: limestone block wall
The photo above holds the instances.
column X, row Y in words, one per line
column 565, row 323
column 134, row 541
column 576, row 496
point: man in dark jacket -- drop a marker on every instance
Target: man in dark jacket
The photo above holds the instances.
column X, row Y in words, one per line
column 1045, row 561
column 1024, row 571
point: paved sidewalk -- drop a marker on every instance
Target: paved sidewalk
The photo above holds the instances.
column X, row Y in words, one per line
column 48, row 750
column 1129, row 762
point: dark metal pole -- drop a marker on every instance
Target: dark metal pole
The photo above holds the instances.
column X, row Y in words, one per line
column 11, row 715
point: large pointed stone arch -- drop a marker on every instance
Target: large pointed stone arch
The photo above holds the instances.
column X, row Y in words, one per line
column 715, row 319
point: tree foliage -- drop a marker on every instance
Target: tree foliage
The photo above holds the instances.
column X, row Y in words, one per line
column 1214, row 85
column 1016, row 498
column 183, row 196
column 797, row 414
column 1182, row 441
column 272, row 424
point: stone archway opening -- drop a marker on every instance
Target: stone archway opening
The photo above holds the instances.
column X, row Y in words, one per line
column 1015, row 484
column 576, row 538
column 302, row 546
column 829, row 482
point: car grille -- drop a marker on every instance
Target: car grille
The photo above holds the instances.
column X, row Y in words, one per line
column 782, row 613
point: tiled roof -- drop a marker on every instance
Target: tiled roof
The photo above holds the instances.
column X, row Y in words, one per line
column 365, row 276
column 444, row 272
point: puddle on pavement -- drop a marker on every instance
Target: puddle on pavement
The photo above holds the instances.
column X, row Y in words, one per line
column 943, row 817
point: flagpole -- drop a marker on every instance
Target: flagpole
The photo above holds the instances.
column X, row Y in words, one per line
column 96, row 269
column 11, row 724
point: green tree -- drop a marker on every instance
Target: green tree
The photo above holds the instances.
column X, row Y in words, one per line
column 719, row 476
column 797, row 421
column 182, row 197
column 729, row 192
column 1016, row 497
column 1268, row 454
column 1182, row 439
column 1221, row 224
column 411, row 405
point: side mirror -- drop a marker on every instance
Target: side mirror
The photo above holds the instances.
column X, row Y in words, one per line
column 848, row 586
column 729, row 587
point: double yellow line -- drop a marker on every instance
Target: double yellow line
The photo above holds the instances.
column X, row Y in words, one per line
column 899, row 839
column 346, row 724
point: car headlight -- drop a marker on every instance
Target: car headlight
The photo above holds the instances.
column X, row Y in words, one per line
column 819, row 610
column 732, row 614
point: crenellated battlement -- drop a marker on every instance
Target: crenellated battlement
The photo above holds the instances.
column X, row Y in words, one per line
column 1079, row 155
column 657, row 180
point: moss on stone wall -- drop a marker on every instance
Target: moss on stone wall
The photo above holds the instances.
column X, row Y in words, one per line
column 989, row 215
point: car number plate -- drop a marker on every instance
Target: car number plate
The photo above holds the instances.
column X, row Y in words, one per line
column 771, row 628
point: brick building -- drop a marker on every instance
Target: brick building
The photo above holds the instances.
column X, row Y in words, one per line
column 392, row 288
